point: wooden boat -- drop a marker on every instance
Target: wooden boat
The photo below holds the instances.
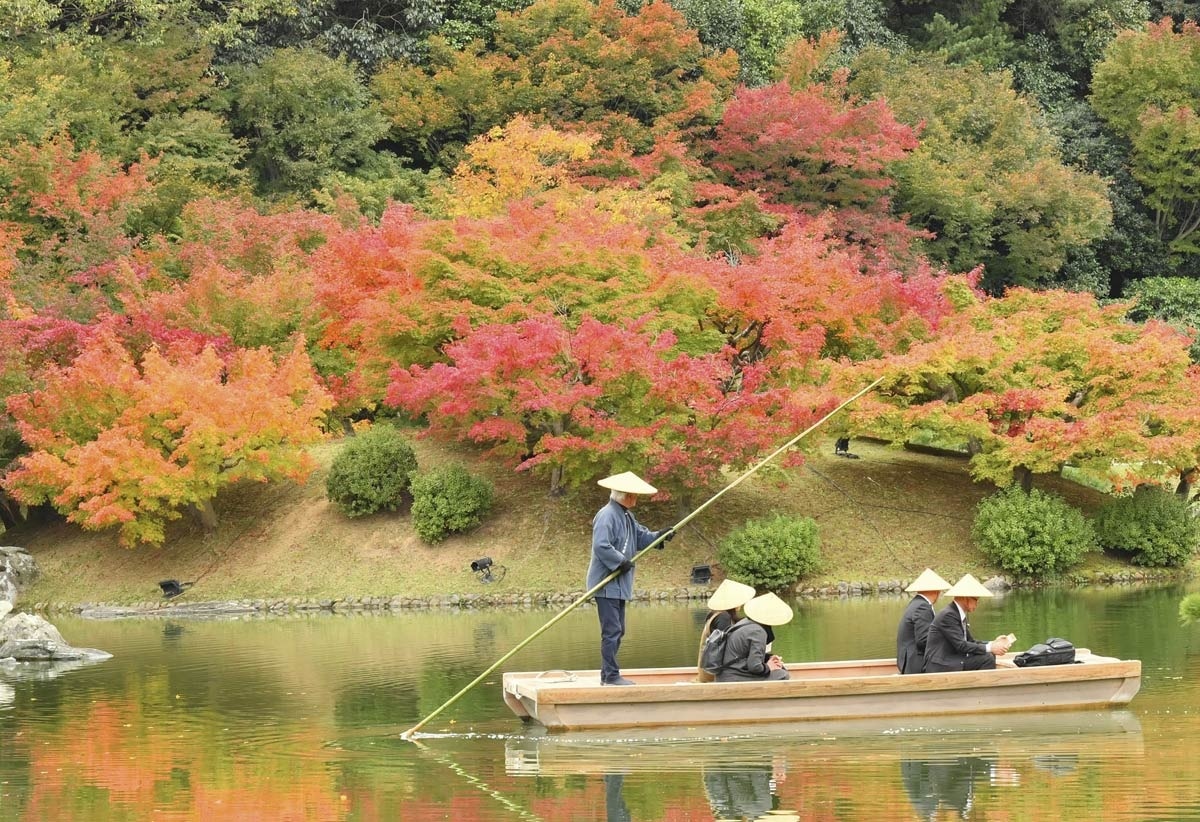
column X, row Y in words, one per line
column 562, row 700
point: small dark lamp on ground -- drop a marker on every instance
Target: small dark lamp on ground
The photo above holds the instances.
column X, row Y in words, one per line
column 172, row 588
column 486, row 571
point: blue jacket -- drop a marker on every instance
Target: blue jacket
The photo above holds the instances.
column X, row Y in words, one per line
column 616, row 536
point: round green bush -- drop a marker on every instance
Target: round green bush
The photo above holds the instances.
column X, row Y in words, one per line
column 772, row 553
column 448, row 500
column 371, row 472
column 1032, row 534
column 1152, row 525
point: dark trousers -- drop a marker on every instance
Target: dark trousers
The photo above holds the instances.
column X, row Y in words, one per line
column 979, row 662
column 971, row 662
column 612, row 628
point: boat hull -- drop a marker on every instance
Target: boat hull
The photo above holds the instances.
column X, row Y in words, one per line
column 564, row 701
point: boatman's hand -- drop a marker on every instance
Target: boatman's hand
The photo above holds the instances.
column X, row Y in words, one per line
column 667, row 535
column 624, row 566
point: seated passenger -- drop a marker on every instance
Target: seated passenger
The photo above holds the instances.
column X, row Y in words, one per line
column 746, row 656
column 723, row 604
column 914, row 625
column 950, row 646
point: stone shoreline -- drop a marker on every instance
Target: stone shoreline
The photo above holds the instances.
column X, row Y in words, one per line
column 299, row 605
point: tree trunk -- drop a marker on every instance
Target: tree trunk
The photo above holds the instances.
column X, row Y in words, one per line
column 556, row 477
column 1186, row 477
column 206, row 515
column 10, row 512
column 1024, row 477
column 974, row 446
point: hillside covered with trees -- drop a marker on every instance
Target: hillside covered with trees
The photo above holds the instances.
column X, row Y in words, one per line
column 590, row 236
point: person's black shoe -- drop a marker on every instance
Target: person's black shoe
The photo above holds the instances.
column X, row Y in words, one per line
column 620, row 681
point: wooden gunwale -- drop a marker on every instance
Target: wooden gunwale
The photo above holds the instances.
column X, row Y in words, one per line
column 849, row 688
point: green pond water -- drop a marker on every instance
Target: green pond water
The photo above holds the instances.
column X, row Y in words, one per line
column 299, row 718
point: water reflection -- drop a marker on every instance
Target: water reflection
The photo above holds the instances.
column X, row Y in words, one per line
column 614, row 801
column 749, row 793
column 299, row 718
column 950, row 783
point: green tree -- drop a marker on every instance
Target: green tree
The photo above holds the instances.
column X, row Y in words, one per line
column 304, row 116
column 987, row 178
column 1146, row 89
column 628, row 77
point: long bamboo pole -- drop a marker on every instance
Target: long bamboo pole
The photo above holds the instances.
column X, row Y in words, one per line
column 591, row 592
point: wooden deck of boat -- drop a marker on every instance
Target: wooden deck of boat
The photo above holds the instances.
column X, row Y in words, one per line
column 563, row 700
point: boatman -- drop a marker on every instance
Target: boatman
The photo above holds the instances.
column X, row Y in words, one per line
column 950, row 646
column 616, row 537
column 914, row 625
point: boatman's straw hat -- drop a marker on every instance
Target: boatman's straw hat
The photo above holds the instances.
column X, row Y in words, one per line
column 968, row 586
column 627, row 483
column 730, row 594
column 928, row 581
column 768, row 609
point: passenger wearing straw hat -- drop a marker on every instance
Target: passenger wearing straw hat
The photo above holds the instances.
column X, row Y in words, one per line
column 616, row 537
column 914, row 625
column 746, row 656
column 723, row 605
column 950, row 646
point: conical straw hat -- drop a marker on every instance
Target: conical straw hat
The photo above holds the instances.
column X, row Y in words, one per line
column 968, row 586
column 730, row 594
column 768, row 609
column 928, row 581
column 628, row 483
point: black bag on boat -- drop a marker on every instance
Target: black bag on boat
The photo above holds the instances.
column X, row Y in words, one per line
column 1054, row 651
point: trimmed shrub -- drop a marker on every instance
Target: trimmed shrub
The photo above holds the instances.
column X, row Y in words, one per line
column 448, row 500
column 1032, row 534
column 772, row 553
column 1152, row 525
column 371, row 472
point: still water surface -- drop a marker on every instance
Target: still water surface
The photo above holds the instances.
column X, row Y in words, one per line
column 299, row 719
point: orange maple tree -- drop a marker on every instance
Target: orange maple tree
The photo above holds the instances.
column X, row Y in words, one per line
column 120, row 443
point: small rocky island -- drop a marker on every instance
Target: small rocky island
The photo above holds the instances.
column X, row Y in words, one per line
column 28, row 637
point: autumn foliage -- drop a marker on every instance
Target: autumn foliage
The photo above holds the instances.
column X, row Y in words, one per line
column 1037, row 380
column 609, row 256
column 121, row 443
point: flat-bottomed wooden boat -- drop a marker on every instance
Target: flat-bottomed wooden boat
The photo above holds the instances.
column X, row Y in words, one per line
column 563, row 701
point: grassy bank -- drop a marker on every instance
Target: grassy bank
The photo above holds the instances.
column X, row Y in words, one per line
column 884, row 516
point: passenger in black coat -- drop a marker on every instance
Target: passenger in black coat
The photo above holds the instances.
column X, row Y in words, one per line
column 914, row 625
column 951, row 646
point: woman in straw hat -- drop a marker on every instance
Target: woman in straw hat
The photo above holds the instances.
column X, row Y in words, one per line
column 723, row 604
column 914, row 625
column 616, row 537
column 950, row 646
column 746, row 656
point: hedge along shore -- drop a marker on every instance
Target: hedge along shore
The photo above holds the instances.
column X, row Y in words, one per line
column 294, row 605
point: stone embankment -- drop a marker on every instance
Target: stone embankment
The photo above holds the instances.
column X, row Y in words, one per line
column 181, row 606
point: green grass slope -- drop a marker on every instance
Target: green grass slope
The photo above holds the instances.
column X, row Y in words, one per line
column 884, row 516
